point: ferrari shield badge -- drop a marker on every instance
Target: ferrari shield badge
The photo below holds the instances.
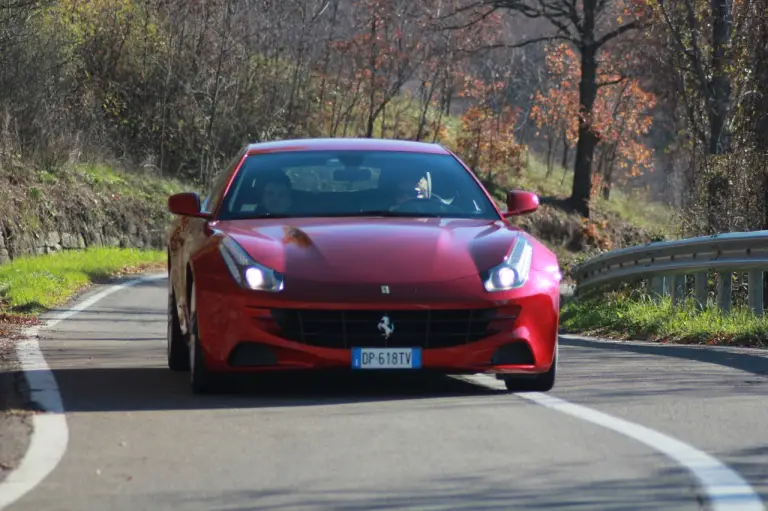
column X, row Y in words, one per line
column 386, row 326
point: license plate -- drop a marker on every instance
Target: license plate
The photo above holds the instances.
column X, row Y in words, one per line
column 386, row 358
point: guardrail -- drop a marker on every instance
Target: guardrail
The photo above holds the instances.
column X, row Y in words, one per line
column 667, row 263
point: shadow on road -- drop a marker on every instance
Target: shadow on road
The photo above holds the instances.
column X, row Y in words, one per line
column 539, row 489
column 98, row 356
column 118, row 389
column 754, row 364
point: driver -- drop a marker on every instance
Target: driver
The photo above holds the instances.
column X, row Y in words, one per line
column 274, row 192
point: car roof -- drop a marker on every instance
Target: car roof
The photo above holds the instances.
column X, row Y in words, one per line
column 362, row 144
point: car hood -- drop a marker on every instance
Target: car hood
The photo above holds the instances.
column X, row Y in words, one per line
column 394, row 250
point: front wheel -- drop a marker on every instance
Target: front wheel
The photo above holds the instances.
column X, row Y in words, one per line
column 540, row 383
column 201, row 379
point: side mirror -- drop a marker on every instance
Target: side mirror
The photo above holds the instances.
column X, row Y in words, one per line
column 520, row 202
column 186, row 204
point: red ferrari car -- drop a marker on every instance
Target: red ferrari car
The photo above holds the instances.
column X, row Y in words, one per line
column 364, row 254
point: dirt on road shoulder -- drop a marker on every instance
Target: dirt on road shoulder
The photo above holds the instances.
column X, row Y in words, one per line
column 15, row 414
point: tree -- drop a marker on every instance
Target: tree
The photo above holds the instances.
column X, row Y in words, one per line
column 487, row 140
column 699, row 35
column 555, row 108
column 619, row 115
column 387, row 50
column 588, row 25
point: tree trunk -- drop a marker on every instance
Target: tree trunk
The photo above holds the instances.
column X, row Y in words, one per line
column 765, row 226
column 566, row 149
column 720, row 105
column 585, row 148
column 719, row 140
column 550, row 152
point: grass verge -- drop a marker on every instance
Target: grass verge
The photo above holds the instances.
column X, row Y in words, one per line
column 31, row 285
column 619, row 316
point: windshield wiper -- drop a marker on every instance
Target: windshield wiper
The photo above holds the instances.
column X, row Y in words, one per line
column 377, row 212
column 346, row 214
column 264, row 216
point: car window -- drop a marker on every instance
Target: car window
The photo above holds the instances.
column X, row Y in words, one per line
column 222, row 179
column 355, row 183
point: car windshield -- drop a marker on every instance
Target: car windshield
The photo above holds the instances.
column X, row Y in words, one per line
column 354, row 183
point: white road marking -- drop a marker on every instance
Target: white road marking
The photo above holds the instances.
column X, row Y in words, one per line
column 723, row 487
column 50, row 433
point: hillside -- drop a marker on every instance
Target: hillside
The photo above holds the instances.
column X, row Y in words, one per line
column 624, row 220
column 78, row 205
column 88, row 204
column 173, row 91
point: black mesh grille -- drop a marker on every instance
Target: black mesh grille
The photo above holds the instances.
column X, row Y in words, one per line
column 416, row 328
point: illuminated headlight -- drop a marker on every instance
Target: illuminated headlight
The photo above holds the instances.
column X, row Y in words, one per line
column 247, row 272
column 513, row 271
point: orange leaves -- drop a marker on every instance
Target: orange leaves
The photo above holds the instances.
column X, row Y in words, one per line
column 487, row 140
column 591, row 233
column 620, row 115
column 487, row 137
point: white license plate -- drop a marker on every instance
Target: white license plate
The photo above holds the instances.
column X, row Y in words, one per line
column 386, row 358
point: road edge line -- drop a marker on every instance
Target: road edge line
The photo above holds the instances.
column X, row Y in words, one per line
column 50, row 433
column 722, row 487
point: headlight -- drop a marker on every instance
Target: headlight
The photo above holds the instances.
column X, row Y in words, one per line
column 247, row 272
column 513, row 271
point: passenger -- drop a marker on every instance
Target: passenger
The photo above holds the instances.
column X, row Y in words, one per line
column 398, row 187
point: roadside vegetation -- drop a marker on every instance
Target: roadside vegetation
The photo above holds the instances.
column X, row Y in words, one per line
column 35, row 199
column 108, row 106
column 33, row 284
column 628, row 316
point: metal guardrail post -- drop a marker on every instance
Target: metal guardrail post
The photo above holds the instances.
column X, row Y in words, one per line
column 667, row 285
column 701, row 289
column 657, row 287
column 668, row 263
column 679, row 290
column 724, row 291
column 755, row 291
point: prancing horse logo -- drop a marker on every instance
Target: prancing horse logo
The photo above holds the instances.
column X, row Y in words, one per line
column 386, row 326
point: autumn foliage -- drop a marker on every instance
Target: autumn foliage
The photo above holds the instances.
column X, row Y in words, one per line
column 487, row 139
column 620, row 116
column 179, row 86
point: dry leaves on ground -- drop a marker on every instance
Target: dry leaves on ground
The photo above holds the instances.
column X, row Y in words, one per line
column 11, row 325
column 141, row 268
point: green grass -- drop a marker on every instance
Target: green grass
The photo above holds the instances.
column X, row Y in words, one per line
column 632, row 207
column 33, row 284
column 617, row 315
column 143, row 186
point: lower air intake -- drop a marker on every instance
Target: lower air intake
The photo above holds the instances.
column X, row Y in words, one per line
column 419, row 328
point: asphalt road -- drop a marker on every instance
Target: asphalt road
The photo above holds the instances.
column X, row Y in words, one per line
column 138, row 439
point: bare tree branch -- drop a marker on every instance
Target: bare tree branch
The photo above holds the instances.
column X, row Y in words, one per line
column 633, row 25
column 612, row 82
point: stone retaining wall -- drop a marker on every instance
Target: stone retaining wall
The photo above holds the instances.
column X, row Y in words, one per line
column 16, row 243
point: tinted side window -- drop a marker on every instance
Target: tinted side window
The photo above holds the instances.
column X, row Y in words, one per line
column 221, row 181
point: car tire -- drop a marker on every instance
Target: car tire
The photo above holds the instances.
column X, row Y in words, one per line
column 201, row 379
column 543, row 382
column 177, row 349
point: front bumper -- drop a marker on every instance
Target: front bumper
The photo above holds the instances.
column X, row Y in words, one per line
column 246, row 331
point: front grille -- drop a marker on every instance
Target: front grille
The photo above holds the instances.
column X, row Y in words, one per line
column 412, row 328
